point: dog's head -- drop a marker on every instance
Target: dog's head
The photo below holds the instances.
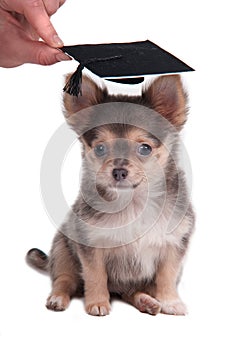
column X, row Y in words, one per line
column 126, row 139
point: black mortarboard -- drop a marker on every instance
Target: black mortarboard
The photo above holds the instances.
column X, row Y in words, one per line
column 121, row 62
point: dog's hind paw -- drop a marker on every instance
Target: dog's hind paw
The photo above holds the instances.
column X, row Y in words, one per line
column 145, row 303
column 173, row 307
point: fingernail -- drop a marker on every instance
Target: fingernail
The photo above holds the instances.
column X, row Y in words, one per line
column 62, row 57
column 57, row 41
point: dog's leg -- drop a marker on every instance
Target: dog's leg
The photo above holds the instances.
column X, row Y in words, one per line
column 143, row 302
column 63, row 289
column 95, row 282
column 166, row 283
column 65, row 273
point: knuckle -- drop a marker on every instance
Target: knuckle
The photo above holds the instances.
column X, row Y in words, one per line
column 43, row 58
column 4, row 5
column 34, row 3
column 61, row 2
column 51, row 6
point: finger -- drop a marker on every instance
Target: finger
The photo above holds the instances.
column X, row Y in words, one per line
column 52, row 6
column 18, row 6
column 18, row 48
column 36, row 14
column 26, row 26
column 40, row 53
column 31, row 52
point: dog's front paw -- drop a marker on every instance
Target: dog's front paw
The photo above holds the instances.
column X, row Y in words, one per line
column 173, row 307
column 98, row 308
column 58, row 302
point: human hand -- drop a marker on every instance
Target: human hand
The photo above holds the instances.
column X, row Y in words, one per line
column 22, row 23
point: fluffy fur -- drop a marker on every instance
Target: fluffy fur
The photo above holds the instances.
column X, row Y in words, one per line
column 129, row 229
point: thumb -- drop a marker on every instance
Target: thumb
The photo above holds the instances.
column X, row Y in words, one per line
column 36, row 15
column 35, row 12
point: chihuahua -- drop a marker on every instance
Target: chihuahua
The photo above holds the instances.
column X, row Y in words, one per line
column 129, row 229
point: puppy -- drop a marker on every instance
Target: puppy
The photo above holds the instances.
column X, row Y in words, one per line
column 129, row 229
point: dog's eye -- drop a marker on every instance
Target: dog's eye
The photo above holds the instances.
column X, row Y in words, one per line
column 144, row 149
column 100, row 150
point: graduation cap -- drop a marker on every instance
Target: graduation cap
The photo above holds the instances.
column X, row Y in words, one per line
column 126, row 63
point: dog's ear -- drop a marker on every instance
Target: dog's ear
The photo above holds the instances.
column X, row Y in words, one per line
column 166, row 96
column 91, row 95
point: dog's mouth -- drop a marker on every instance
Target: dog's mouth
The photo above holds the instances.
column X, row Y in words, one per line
column 125, row 185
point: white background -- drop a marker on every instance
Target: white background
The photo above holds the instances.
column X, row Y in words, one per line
column 198, row 32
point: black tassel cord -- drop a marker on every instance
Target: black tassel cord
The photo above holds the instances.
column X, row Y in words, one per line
column 74, row 84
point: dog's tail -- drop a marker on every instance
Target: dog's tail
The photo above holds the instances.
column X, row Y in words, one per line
column 37, row 259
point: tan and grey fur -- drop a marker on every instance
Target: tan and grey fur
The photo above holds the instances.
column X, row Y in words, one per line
column 144, row 270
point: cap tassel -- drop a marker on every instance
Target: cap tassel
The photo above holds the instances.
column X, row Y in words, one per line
column 74, row 84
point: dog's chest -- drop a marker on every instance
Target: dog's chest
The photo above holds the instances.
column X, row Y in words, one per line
column 137, row 223
column 132, row 263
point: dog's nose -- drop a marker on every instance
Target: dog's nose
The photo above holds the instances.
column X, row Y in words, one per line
column 119, row 174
